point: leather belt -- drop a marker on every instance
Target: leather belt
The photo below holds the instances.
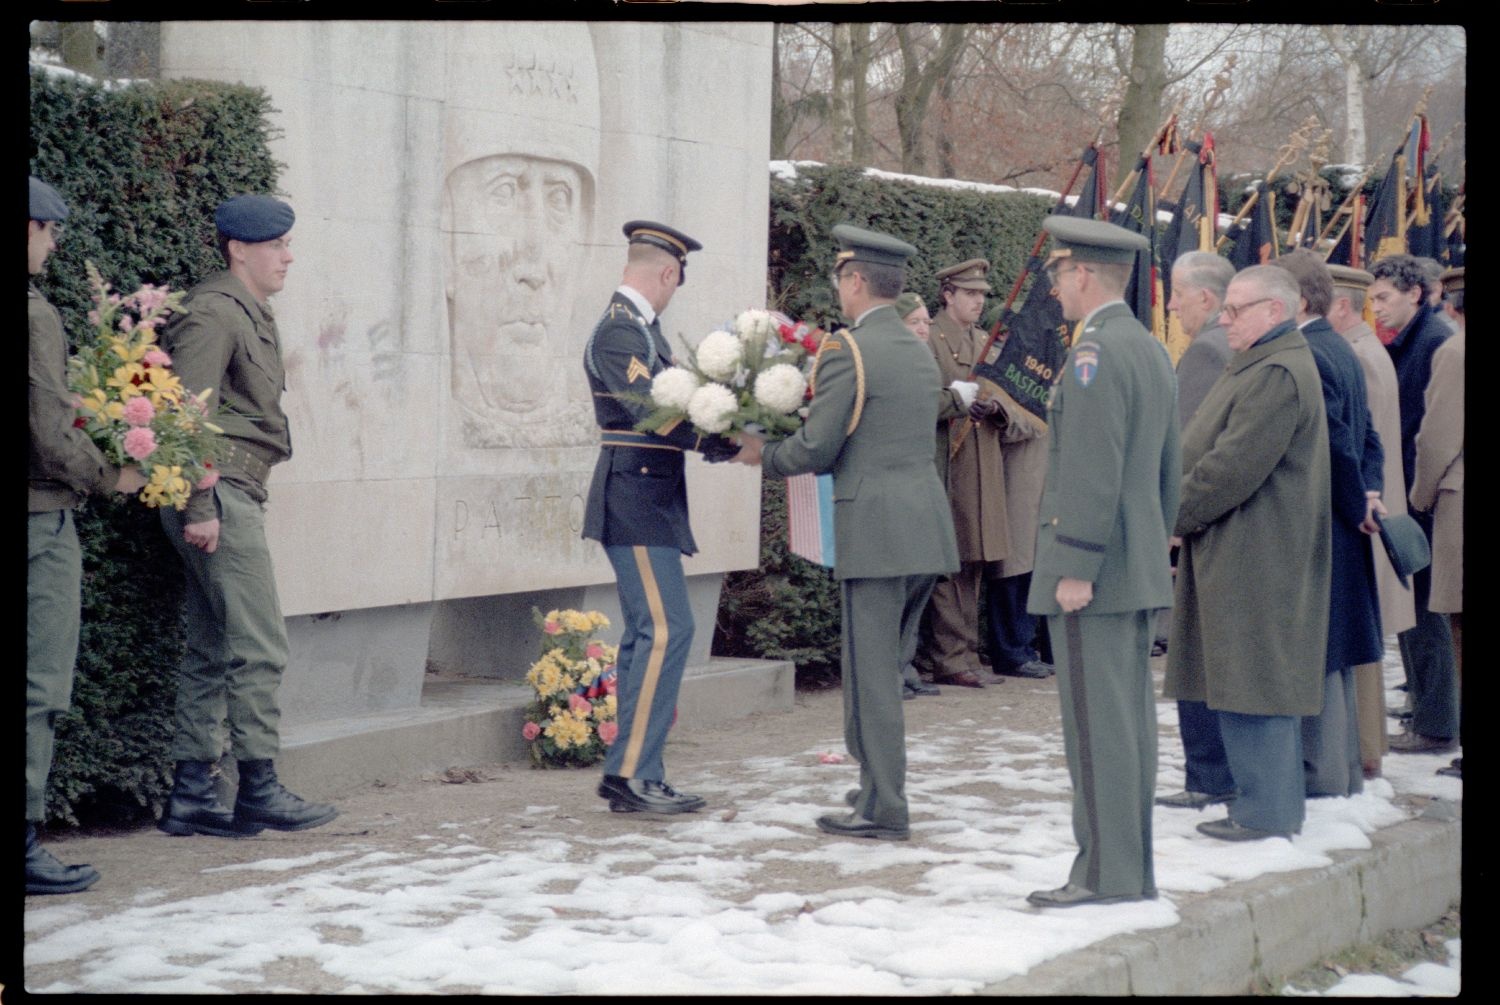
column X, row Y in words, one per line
column 631, row 438
column 237, row 457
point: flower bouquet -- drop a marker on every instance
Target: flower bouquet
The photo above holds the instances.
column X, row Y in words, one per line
column 131, row 404
column 572, row 719
column 751, row 375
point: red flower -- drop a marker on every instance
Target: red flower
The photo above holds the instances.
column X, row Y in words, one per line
column 80, row 422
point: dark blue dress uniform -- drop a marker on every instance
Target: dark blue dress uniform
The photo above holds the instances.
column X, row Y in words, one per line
column 637, row 509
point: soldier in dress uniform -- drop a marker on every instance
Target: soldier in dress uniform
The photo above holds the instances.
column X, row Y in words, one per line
column 874, row 406
column 1102, row 557
column 62, row 467
column 637, row 509
column 226, row 339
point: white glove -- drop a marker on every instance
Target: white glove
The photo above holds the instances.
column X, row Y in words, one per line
column 968, row 390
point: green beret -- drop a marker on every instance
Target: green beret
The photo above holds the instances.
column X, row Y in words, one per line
column 1086, row 240
column 908, row 302
column 860, row 245
column 253, row 218
column 970, row 275
column 668, row 239
column 46, row 202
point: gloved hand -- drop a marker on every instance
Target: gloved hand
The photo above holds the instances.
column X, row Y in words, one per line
column 967, row 391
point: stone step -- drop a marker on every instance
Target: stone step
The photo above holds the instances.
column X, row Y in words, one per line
column 478, row 721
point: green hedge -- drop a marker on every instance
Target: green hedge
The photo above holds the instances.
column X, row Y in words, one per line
column 789, row 608
column 142, row 168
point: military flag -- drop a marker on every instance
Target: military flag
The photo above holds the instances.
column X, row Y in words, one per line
column 1385, row 217
column 1428, row 240
column 1025, row 363
column 1143, row 292
column 1255, row 241
column 1348, row 249
column 1415, row 152
column 1195, row 218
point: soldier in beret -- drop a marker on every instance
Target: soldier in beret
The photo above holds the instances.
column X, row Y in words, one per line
column 1102, row 557
column 63, row 466
column 226, row 340
column 870, row 424
column 637, row 509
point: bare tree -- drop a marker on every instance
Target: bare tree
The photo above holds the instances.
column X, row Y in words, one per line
column 917, row 83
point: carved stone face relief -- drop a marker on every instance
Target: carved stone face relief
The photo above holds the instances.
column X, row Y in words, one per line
column 521, row 133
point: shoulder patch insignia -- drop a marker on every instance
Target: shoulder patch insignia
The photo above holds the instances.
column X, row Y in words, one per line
column 635, row 370
column 1085, row 362
column 830, row 345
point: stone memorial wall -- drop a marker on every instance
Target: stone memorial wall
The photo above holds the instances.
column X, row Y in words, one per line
column 459, row 189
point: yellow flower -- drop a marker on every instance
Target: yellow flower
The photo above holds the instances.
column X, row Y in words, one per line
column 98, row 402
column 597, row 620
column 163, row 387
column 166, row 487
column 126, row 379
column 573, row 621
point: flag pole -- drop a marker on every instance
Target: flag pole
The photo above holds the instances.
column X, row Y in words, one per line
column 1287, row 154
column 1211, row 102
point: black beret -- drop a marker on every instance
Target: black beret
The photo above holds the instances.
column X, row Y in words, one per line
column 253, row 218
column 46, row 202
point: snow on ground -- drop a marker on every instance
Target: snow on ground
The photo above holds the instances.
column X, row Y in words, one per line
column 678, row 909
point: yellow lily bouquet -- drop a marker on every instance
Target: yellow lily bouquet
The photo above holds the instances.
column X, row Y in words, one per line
column 571, row 721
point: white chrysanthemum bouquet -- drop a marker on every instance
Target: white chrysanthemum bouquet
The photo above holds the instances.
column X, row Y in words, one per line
column 750, row 376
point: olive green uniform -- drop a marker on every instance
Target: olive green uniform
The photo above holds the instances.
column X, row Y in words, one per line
column 63, row 466
column 874, row 406
column 1109, row 503
column 236, row 636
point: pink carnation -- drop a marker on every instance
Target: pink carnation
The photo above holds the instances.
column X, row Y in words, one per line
column 155, row 357
column 594, row 651
column 139, row 411
column 552, row 628
column 611, row 684
column 578, row 703
column 608, row 731
column 531, row 731
column 140, row 442
column 208, row 481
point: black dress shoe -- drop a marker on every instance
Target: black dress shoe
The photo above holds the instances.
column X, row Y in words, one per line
column 1031, row 669
column 1415, row 743
column 1189, row 800
column 637, row 795
column 45, row 874
column 1159, row 647
column 1228, row 830
column 1454, row 770
column 1073, row 896
column 855, row 825
column 907, row 691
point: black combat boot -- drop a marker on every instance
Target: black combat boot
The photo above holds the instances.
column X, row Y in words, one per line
column 264, row 802
column 45, row 874
column 194, row 808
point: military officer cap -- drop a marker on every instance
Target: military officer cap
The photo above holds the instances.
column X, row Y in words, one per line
column 970, row 275
column 1453, row 279
column 46, row 202
column 1354, row 279
column 668, row 239
column 1085, row 240
column 859, row 245
column 253, row 218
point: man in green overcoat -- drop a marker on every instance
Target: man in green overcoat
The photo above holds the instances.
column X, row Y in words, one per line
column 1250, row 625
column 1102, row 561
column 874, row 406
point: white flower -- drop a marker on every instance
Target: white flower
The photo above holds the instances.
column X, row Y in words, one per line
column 717, row 355
column 755, row 325
column 673, row 387
column 712, row 407
column 780, row 387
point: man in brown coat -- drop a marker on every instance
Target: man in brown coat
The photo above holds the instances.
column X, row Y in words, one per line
column 1255, row 496
column 1346, row 315
column 975, row 481
column 1439, row 483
